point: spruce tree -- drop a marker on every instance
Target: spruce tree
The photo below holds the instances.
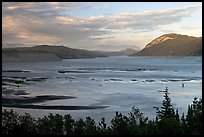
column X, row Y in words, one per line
column 166, row 109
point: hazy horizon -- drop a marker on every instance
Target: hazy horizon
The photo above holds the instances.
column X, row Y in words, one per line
column 105, row 26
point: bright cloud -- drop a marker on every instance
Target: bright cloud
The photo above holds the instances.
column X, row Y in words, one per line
column 47, row 23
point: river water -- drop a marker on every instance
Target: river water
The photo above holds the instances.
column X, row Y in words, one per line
column 118, row 82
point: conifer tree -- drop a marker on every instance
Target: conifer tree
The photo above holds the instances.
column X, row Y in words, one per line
column 166, row 109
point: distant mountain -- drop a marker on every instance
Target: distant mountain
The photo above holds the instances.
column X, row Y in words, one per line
column 68, row 53
column 173, row 45
column 125, row 52
column 45, row 53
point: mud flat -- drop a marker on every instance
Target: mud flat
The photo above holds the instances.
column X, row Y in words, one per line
column 26, row 102
column 54, row 107
column 8, row 100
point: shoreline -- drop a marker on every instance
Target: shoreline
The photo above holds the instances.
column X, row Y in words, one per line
column 54, row 107
column 26, row 103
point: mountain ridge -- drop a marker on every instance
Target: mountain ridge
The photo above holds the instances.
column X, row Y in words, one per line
column 172, row 44
column 124, row 52
column 40, row 53
column 45, row 53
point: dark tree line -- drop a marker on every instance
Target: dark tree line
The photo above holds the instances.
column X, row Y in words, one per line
column 167, row 122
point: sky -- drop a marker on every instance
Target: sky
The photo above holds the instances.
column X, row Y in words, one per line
column 107, row 26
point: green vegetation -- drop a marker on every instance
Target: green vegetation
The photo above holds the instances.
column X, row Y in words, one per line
column 167, row 122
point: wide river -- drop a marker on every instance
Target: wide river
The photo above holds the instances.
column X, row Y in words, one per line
column 118, row 82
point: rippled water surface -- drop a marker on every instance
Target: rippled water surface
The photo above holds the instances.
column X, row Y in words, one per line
column 117, row 82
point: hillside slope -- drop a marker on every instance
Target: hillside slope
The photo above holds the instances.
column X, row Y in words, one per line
column 173, row 45
column 45, row 53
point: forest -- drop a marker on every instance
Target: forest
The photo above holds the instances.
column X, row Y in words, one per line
column 167, row 122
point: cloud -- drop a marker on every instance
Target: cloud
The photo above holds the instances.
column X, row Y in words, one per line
column 45, row 22
column 146, row 19
column 34, row 6
column 100, row 38
column 95, row 6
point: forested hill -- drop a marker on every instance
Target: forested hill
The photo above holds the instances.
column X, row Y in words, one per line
column 45, row 53
column 173, row 45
